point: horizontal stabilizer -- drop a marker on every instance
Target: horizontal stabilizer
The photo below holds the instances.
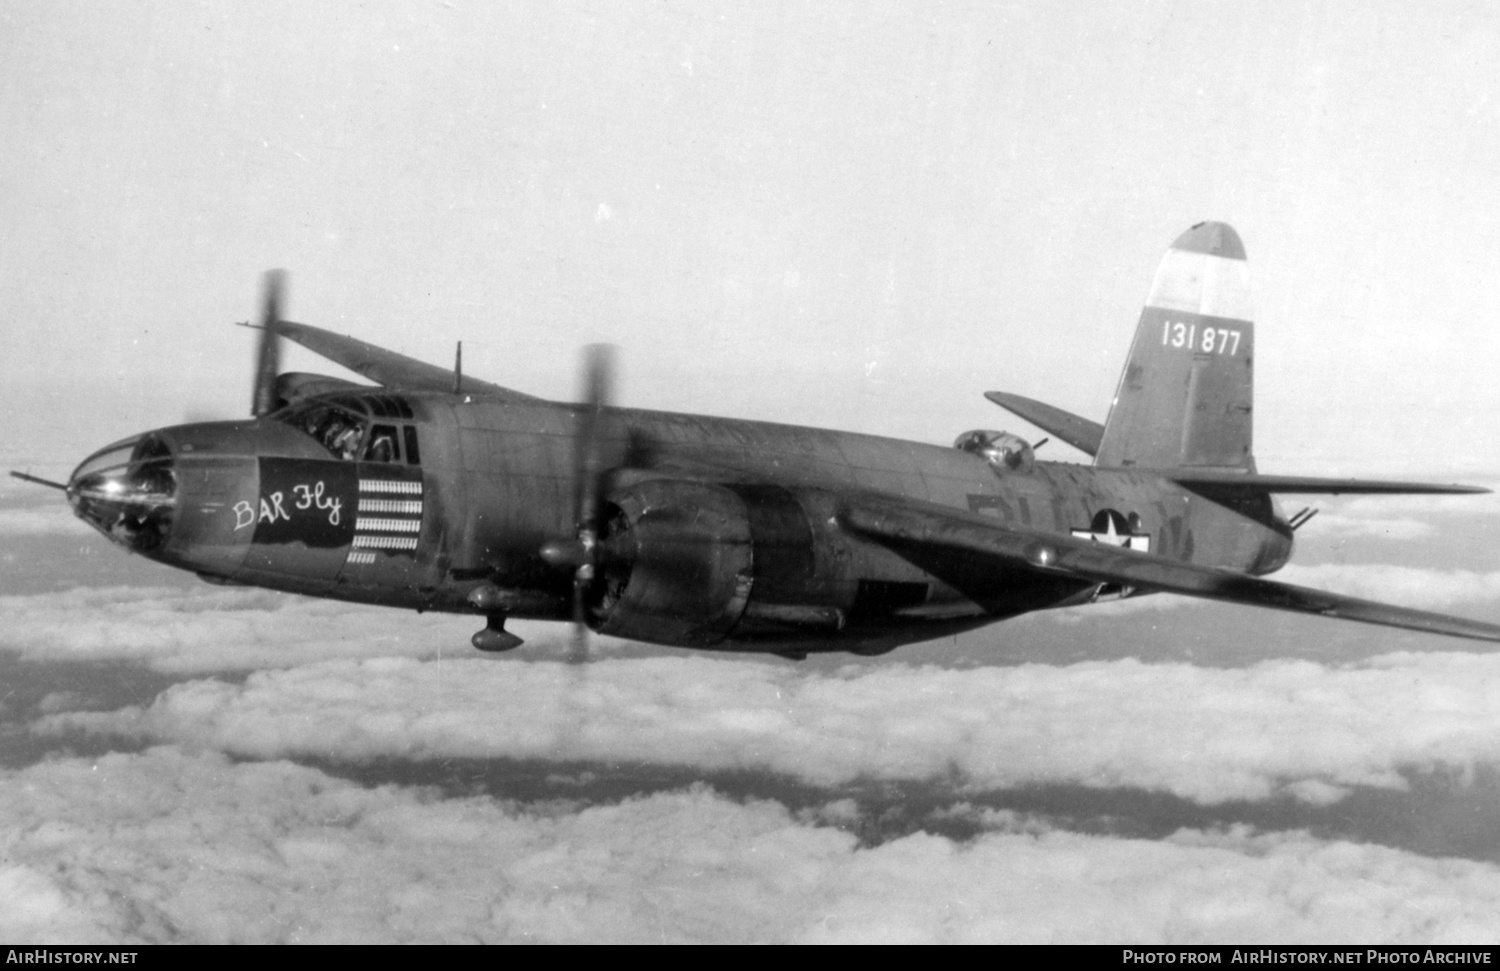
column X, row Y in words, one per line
column 387, row 368
column 905, row 526
column 1080, row 433
column 1255, row 484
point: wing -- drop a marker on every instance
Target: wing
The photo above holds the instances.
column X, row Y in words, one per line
column 1207, row 480
column 1080, row 433
column 388, row 368
column 938, row 533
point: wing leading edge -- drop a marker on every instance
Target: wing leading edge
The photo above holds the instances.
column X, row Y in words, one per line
column 938, row 529
column 1210, row 480
column 1080, row 433
column 387, row 368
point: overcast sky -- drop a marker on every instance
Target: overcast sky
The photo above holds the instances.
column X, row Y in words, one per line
column 841, row 214
column 853, row 215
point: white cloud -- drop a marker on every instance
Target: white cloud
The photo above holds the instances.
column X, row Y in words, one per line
column 207, row 628
column 1397, row 528
column 1204, row 734
column 164, row 846
column 1194, row 888
column 42, row 521
column 1403, row 585
column 1376, row 508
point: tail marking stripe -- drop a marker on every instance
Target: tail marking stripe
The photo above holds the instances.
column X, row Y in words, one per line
column 1201, row 283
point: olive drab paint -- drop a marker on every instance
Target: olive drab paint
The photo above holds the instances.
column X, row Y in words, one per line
column 1185, row 396
column 435, row 492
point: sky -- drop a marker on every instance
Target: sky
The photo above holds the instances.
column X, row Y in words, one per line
column 847, row 215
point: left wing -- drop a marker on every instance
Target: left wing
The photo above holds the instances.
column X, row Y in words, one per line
column 940, row 532
column 1080, row 433
column 388, row 368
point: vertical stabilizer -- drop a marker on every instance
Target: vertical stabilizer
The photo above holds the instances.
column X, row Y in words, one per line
column 1184, row 398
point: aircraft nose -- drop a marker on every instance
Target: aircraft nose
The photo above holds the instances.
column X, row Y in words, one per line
column 128, row 491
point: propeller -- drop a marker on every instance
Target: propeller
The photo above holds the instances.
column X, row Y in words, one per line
column 268, row 354
column 590, row 474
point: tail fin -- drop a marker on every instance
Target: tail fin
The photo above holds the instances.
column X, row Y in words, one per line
column 1185, row 396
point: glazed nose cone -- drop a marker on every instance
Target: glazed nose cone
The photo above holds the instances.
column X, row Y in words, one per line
column 128, row 491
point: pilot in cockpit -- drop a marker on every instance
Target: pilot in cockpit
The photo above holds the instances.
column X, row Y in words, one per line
column 345, row 444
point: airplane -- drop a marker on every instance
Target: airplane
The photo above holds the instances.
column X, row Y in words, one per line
column 430, row 490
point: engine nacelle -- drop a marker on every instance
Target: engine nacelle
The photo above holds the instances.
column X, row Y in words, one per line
column 677, row 564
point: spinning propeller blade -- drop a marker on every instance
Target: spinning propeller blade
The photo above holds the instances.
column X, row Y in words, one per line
column 590, row 471
column 268, row 354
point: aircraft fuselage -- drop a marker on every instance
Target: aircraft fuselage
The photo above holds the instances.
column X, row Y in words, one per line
column 732, row 526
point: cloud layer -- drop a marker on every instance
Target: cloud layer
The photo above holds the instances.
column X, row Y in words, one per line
column 47, row 520
column 1404, row 585
column 217, row 836
column 166, row 846
column 206, row 628
column 1204, row 734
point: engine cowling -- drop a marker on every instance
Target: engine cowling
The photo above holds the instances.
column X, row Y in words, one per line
column 677, row 564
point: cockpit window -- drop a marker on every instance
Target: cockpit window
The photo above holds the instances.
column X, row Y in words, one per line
column 339, row 430
column 339, row 423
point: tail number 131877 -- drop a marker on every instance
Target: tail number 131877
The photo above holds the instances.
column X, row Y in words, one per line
column 1200, row 340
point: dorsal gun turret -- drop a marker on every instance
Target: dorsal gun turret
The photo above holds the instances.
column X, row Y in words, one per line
column 1006, row 453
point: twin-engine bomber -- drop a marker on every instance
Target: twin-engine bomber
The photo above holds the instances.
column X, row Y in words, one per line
column 436, row 491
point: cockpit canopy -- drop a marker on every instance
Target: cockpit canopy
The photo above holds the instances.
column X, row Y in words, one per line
column 1006, row 453
column 351, row 426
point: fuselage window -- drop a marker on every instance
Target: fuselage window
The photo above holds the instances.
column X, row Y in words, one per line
column 413, row 457
column 382, row 447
